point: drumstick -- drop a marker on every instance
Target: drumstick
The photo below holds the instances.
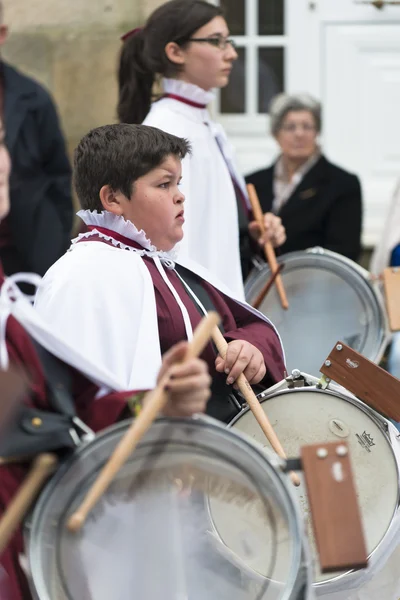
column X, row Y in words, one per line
column 268, row 248
column 255, row 406
column 267, row 286
column 155, row 401
column 42, row 468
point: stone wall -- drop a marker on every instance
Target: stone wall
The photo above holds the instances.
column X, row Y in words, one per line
column 72, row 47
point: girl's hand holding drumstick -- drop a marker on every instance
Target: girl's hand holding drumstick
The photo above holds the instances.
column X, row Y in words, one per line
column 269, row 230
column 268, row 247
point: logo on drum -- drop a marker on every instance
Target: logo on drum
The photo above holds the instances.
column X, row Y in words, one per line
column 353, row 364
column 366, row 440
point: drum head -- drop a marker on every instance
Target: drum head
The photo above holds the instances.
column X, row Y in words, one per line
column 330, row 299
column 308, row 416
column 153, row 534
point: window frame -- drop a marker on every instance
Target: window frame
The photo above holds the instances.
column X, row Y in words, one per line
column 252, row 122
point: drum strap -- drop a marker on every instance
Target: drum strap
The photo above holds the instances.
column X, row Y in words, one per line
column 224, row 404
column 58, row 382
column 192, row 282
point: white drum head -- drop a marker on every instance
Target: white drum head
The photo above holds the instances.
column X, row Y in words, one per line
column 308, row 416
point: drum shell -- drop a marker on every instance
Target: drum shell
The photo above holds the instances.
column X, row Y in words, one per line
column 381, row 557
column 331, row 298
column 183, row 431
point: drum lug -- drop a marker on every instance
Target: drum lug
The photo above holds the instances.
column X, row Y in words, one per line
column 243, row 408
column 324, row 382
column 316, row 250
column 292, row 464
column 258, row 263
column 85, row 433
column 75, row 437
column 295, row 380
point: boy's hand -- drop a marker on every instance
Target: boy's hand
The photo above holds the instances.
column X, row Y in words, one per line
column 189, row 383
column 242, row 357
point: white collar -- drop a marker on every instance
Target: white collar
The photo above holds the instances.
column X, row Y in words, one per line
column 120, row 225
column 281, row 174
column 187, row 90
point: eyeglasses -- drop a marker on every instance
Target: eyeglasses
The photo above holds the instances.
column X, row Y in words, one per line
column 291, row 127
column 218, row 42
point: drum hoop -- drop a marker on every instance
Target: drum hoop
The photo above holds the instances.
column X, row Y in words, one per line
column 356, row 268
column 375, row 286
column 336, row 390
column 37, row 582
column 379, row 421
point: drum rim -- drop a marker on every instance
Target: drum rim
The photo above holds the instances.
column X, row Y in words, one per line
column 322, row 253
column 38, row 585
column 379, row 421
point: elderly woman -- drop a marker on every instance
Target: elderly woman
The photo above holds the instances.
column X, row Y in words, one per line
column 319, row 203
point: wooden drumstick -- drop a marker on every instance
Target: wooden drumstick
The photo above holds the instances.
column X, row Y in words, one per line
column 255, row 406
column 267, row 286
column 268, row 248
column 155, row 402
column 42, row 468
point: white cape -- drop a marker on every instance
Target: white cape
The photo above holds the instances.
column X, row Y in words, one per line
column 211, row 217
column 13, row 302
column 101, row 299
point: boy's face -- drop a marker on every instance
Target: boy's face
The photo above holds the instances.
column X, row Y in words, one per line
column 156, row 204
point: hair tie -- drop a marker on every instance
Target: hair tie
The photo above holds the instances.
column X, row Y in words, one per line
column 131, row 33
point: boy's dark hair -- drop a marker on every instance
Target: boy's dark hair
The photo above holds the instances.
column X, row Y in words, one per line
column 117, row 155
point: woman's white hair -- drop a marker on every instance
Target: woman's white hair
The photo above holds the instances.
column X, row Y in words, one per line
column 283, row 103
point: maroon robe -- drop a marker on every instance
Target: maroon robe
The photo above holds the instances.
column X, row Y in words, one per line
column 238, row 322
column 97, row 414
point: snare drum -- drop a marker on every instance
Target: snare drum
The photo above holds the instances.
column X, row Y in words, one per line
column 152, row 536
column 308, row 415
column 330, row 299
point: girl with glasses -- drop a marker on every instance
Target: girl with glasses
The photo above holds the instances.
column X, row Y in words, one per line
column 185, row 46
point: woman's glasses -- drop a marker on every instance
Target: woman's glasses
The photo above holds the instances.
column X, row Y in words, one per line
column 219, row 42
column 292, row 127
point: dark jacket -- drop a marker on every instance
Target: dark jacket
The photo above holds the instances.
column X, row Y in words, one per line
column 324, row 210
column 40, row 218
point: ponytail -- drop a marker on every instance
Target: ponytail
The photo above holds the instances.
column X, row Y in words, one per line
column 135, row 81
column 143, row 53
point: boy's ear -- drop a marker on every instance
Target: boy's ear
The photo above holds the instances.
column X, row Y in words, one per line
column 111, row 200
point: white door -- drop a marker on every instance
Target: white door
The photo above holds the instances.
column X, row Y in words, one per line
column 347, row 53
